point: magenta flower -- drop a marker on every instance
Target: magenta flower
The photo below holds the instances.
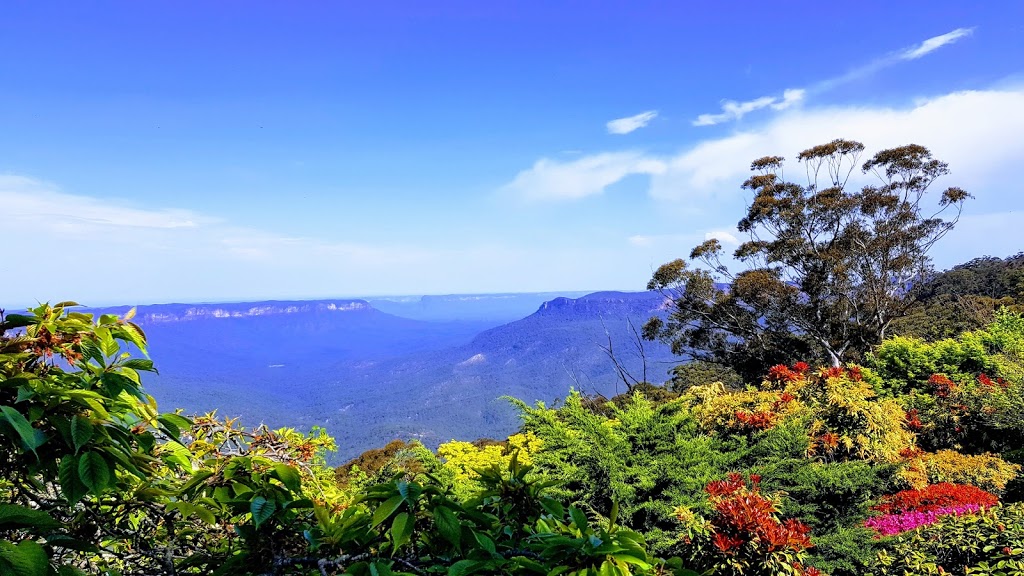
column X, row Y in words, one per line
column 890, row 524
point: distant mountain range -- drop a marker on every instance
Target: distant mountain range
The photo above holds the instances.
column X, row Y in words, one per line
column 369, row 376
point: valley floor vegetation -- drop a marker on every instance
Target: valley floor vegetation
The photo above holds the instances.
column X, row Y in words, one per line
column 894, row 447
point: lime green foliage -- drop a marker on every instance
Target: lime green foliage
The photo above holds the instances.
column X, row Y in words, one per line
column 463, row 461
column 989, row 542
column 647, row 458
column 905, row 363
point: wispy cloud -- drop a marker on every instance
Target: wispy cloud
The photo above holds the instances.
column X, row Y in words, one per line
column 733, row 110
column 551, row 179
column 932, row 44
column 627, row 125
column 27, row 199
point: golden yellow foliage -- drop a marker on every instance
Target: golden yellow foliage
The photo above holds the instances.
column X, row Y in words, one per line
column 463, row 459
column 986, row 471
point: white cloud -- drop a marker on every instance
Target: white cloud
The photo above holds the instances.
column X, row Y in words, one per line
column 627, row 125
column 723, row 236
column 27, row 199
column 934, row 43
column 977, row 132
column 551, row 179
column 732, row 110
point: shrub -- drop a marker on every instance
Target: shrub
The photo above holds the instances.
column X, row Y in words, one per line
column 744, row 534
column 986, row 471
column 987, row 542
column 934, row 497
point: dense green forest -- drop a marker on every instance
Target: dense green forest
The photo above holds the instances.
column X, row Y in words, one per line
column 843, row 410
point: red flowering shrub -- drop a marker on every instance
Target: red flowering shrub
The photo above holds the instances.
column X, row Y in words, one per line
column 913, row 420
column 934, row 497
column 941, row 385
column 745, row 534
column 757, row 420
column 782, row 374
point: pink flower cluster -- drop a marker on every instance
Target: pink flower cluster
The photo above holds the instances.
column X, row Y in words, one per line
column 889, row 524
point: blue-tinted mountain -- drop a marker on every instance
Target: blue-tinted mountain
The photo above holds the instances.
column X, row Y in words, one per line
column 488, row 307
column 370, row 376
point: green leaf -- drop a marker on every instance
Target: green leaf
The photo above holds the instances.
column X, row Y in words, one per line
column 578, row 518
column 288, row 476
column 94, row 472
column 30, row 437
column 26, row 559
column 70, row 484
column 197, row 478
column 608, row 568
column 386, row 509
column 262, row 509
column 140, row 364
column 13, row 516
column 553, row 507
column 174, row 423
column 401, row 529
column 18, row 321
column 71, row 543
column 463, row 567
column 448, row 525
column 485, row 542
column 81, row 431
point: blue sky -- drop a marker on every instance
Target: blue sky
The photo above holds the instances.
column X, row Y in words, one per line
column 177, row 151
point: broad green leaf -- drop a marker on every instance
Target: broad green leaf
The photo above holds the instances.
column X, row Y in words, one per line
column 578, row 518
column 401, row 529
column 26, row 559
column 94, row 472
column 485, row 542
column 81, row 431
column 70, row 484
column 262, row 509
column 18, row 321
column 288, row 476
column 608, row 568
column 173, row 423
column 30, row 437
column 197, row 478
column 140, row 364
column 71, row 543
column 463, row 567
column 66, row 304
column 13, row 516
column 386, row 509
column 448, row 525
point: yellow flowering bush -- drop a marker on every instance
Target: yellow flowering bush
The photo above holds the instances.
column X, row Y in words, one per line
column 461, row 461
column 986, row 471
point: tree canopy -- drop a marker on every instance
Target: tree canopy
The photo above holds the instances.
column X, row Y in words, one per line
column 827, row 265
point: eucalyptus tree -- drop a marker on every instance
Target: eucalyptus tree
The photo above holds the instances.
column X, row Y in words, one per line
column 826, row 266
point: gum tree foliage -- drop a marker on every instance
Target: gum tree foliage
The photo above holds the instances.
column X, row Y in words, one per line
column 827, row 265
